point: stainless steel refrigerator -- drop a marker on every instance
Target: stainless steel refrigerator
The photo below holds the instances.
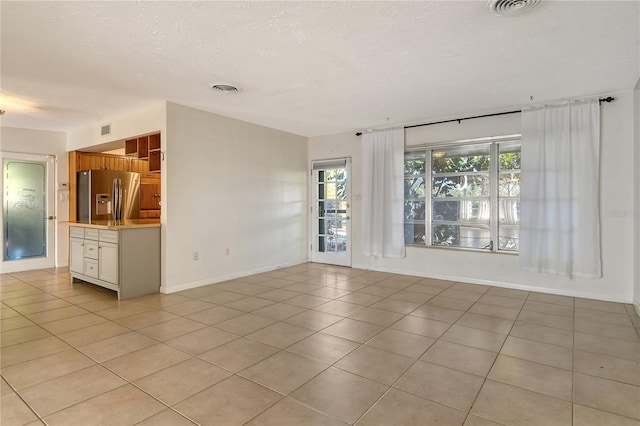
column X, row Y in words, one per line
column 107, row 195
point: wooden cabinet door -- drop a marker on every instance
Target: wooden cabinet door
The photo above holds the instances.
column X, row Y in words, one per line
column 154, row 161
column 110, row 163
column 149, row 195
column 140, row 166
column 108, row 262
column 85, row 161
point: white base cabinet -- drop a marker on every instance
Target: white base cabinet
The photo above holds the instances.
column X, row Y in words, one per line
column 125, row 260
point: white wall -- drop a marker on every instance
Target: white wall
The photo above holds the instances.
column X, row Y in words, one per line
column 636, row 183
column 42, row 142
column 123, row 126
column 230, row 185
column 503, row 269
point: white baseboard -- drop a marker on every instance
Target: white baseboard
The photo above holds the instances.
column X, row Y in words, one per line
column 218, row 279
column 571, row 293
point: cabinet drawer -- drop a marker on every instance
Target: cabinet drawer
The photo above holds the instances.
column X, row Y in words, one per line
column 76, row 232
column 109, row 236
column 91, row 249
column 91, row 268
column 91, row 234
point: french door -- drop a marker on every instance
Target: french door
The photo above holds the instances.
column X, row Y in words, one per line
column 331, row 212
column 28, row 212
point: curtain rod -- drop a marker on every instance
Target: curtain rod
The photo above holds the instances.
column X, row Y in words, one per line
column 601, row 100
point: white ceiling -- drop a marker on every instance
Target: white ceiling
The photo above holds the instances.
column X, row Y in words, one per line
column 309, row 68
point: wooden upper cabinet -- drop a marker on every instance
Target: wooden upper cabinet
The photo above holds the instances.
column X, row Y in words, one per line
column 97, row 161
column 139, row 166
column 86, row 161
column 131, row 147
column 117, row 163
column 142, row 146
column 155, row 163
column 155, row 155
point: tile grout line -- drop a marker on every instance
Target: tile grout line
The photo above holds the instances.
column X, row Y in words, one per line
column 33, row 410
column 494, row 360
column 127, row 381
column 328, row 366
column 9, row 383
column 390, row 387
column 335, row 362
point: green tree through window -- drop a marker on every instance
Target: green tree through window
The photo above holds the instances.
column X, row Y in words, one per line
column 474, row 197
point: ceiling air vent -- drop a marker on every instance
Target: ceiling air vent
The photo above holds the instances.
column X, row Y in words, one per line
column 105, row 130
column 225, row 88
column 511, row 7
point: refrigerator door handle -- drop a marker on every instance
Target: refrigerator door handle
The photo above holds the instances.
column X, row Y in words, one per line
column 119, row 186
column 114, row 198
column 117, row 199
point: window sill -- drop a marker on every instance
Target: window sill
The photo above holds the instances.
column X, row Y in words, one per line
column 463, row 249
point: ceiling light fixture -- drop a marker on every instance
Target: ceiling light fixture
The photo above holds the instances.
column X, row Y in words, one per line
column 511, row 7
column 15, row 104
column 225, row 88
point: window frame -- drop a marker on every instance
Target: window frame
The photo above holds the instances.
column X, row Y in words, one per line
column 493, row 172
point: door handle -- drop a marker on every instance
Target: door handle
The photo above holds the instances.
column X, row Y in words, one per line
column 50, row 218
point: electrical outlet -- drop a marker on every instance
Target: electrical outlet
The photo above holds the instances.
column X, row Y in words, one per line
column 196, row 255
column 227, row 251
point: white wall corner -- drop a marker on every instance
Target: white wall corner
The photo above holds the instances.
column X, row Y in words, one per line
column 636, row 184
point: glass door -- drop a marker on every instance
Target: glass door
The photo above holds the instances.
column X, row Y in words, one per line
column 331, row 210
column 28, row 212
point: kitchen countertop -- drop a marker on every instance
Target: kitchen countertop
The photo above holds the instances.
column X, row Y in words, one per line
column 121, row 224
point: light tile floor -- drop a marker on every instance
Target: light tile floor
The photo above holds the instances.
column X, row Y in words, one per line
column 314, row 345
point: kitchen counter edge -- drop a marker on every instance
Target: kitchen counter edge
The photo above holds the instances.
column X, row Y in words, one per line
column 123, row 224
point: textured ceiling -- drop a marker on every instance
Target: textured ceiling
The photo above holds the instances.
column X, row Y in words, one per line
column 310, row 68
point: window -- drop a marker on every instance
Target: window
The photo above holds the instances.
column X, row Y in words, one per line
column 464, row 195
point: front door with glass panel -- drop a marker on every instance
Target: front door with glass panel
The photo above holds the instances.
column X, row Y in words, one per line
column 27, row 214
column 331, row 230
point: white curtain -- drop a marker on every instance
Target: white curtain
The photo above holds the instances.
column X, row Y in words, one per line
column 560, row 212
column 383, row 193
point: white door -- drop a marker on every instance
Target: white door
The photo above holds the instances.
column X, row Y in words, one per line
column 28, row 212
column 331, row 212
